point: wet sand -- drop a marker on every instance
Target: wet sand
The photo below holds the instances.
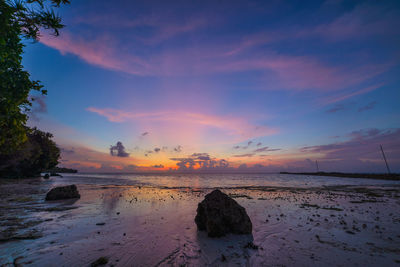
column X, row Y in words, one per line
column 154, row 226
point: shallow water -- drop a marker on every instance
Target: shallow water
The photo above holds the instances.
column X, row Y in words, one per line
column 148, row 220
column 218, row 180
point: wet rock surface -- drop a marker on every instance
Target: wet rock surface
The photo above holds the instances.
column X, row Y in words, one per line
column 63, row 192
column 218, row 214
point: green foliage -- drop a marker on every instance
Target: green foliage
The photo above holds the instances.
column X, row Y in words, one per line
column 31, row 15
column 15, row 84
column 20, row 18
column 37, row 154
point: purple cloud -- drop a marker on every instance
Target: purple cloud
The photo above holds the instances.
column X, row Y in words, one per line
column 369, row 106
column 200, row 162
column 266, row 149
column 336, row 108
column 244, row 155
column 118, row 150
column 363, row 146
column 178, row 148
column 159, row 166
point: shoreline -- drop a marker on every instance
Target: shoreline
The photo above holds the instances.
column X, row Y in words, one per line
column 154, row 226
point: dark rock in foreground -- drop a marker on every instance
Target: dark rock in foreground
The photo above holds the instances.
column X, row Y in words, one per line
column 100, row 261
column 219, row 215
column 63, row 192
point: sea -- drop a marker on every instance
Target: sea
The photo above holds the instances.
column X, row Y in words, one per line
column 219, row 180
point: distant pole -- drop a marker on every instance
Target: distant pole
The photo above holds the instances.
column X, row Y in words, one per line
column 384, row 157
column 316, row 163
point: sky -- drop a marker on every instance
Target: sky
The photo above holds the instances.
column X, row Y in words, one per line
column 222, row 86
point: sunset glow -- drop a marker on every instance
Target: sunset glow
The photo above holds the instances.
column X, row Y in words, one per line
column 261, row 86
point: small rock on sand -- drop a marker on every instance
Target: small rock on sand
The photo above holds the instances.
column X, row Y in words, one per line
column 63, row 192
column 100, row 261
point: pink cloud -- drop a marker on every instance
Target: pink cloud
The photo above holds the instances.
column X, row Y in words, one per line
column 345, row 96
column 363, row 21
column 89, row 160
column 190, row 124
column 100, row 52
column 363, row 145
column 168, row 30
column 359, row 153
column 250, row 41
column 287, row 72
column 164, row 27
column 221, row 55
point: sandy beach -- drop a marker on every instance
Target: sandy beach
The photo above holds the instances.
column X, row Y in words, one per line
column 153, row 225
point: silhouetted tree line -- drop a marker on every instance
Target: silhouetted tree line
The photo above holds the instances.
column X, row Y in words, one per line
column 23, row 151
column 37, row 154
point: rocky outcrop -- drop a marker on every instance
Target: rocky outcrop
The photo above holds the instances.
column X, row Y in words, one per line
column 218, row 214
column 63, row 192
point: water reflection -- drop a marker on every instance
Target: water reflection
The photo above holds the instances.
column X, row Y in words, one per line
column 110, row 200
column 217, row 180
